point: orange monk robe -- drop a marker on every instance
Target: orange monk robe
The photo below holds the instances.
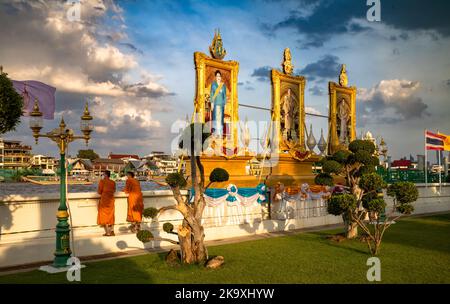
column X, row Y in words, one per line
column 135, row 200
column 106, row 189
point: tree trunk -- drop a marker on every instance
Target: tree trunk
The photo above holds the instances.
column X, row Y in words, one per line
column 192, row 246
column 351, row 230
column 351, row 227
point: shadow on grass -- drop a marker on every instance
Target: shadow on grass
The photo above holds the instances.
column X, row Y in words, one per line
column 424, row 233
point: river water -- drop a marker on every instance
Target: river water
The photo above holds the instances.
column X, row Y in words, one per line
column 28, row 189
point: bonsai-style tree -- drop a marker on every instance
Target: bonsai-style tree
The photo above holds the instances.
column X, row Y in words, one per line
column 11, row 104
column 350, row 164
column 364, row 197
column 190, row 233
column 403, row 194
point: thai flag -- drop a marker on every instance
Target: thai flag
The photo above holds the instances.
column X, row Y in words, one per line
column 434, row 141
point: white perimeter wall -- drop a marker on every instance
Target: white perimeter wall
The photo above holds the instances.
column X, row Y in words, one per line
column 27, row 223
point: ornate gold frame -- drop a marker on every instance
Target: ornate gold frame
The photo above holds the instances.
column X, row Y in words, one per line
column 333, row 141
column 201, row 60
column 277, row 78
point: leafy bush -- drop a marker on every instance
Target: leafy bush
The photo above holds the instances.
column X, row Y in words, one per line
column 341, row 156
column 144, row 236
column 362, row 145
column 218, row 175
column 324, row 179
column 176, row 180
column 375, row 205
column 11, row 104
column 363, row 157
column 331, row 166
column 340, row 203
column 150, row 212
column 168, row 227
column 371, row 182
column 404, row 194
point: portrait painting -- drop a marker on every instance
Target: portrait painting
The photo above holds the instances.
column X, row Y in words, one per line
column 216, row 102
column 288, row 110
column 342, row 117
column 289, row 123
column 343, row 121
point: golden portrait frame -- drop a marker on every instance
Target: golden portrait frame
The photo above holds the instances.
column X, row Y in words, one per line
column 281, row 81
column 203, row 65
column 335, row 91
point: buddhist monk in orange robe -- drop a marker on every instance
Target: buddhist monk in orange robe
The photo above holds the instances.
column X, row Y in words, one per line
column 135, row 202
column 105, row 218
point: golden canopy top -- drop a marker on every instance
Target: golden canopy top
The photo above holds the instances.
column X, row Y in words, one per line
column 216, row 48
column 86, row 114
column 343, row 79
column 287, row 64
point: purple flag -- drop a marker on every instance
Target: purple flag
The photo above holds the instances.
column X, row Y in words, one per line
column 31, row 90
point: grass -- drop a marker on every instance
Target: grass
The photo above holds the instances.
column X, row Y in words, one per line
column 414, row 250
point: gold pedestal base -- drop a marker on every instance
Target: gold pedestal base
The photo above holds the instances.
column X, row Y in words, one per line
column 284, row 169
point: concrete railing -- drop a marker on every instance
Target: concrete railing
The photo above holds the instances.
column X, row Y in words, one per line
column 27, row 223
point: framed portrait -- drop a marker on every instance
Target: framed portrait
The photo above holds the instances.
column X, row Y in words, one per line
column 342, row 117
column 216, row 98
column 288, row 110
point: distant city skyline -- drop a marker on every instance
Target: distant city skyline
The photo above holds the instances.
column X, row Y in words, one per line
column 133, row 60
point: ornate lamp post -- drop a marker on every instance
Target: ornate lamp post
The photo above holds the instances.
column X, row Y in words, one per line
column 62, row 136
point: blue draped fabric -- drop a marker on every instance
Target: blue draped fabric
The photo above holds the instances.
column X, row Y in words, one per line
column 245, row 192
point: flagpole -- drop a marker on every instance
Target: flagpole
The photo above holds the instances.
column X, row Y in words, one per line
column 439, row 166
column 440, row 175
column 426, row 163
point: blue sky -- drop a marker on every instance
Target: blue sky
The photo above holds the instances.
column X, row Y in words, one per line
column 134, row 62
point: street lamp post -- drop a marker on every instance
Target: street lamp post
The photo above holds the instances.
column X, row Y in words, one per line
column 62, row 136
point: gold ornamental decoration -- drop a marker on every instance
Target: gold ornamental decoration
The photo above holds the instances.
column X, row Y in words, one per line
column 288, row 68
column 343, row 79
column 216, row 48
column 288, row 107
column 342, row 113
column 206, row 68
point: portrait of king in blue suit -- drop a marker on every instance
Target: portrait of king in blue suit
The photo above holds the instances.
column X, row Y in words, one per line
column 218, row 97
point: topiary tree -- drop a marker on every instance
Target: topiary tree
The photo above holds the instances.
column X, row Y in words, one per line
column 11, row 104
column 403, row 194
column 191, row 232
column 364, row 196
column 351, row 164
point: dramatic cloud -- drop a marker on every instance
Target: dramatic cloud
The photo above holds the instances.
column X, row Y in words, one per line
column 390, row 101
column 335, row 17
column 316, row 90
column 90, row 59
column 262, row 73
column 323, row 69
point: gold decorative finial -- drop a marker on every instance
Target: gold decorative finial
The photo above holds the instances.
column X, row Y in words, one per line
column 287, row 64
column 216, row 48
column 343, row 80
column 62, row 124
column 86, row 114
column 36, row 107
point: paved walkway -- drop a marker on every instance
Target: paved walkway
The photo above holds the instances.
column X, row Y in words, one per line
column 130, row 253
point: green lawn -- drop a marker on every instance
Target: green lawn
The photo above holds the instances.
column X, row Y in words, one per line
column 415, row 250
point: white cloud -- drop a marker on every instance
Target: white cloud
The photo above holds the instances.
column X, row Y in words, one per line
column 312, row 110
column 391, row 101
column 110, row 57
